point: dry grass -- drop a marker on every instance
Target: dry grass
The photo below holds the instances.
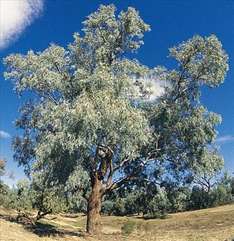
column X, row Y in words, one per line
column 216, row 224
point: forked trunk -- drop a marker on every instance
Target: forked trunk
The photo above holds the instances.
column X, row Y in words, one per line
column 94, row 208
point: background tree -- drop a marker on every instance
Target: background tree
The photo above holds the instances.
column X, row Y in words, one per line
column 46, row 198
column 2, row 167
column 77, row 190
column 206, row 175
column 23, row 197
column 3, row 187
column 90, row 107
column 4, row 195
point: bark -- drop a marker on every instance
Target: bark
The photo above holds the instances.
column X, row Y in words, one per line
column 93, row 225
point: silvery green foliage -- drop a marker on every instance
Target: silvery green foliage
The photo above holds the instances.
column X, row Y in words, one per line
column 183, row 127
column 84, row 98
column 208, row 172
column 90, row 101
column 158, row 206
column 45, row 197
column 202, row 59
column 24, row 195
column 211, row 163
column 77, row 190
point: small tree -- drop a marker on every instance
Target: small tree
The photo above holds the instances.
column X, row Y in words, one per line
column 77, row 190
column 23, row 200
column 4, row 195
column 2, row 167
column 206, row 175
column 46, row 199
column 158, row 206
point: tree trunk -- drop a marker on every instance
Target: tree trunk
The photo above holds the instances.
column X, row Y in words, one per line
column 93, row 225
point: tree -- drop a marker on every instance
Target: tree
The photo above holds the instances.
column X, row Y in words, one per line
column 47, row 199
column 125, row 201
column 2, row 170
column 158, row 206
column 92, row 107
column 207, row 173
column 4, row 194
column 85, row 113
column 77, row 190
column 2, row 167
column 23, row 200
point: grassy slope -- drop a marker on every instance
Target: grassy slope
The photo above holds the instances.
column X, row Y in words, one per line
column 216, row 224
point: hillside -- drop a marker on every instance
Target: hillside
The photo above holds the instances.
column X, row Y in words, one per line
column 215, row 224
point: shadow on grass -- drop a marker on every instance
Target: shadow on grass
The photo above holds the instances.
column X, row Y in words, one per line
column 40, row 228
column 9, row 218
column 153, row 218
column 46, row 229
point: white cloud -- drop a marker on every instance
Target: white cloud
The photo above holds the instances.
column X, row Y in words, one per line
column 225, row 139
column 15, row 16
column 4, row 135
column 148, row 88
column 154, row 84
column 155, row 87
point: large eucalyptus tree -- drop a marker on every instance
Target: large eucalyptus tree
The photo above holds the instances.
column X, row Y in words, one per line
column 91, row 106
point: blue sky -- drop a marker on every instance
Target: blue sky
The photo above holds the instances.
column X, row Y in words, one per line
column 172, row 21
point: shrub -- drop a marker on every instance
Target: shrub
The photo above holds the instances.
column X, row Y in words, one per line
column 119, row 207
column 128, row 227
column 158, row 206
column 107, row 207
